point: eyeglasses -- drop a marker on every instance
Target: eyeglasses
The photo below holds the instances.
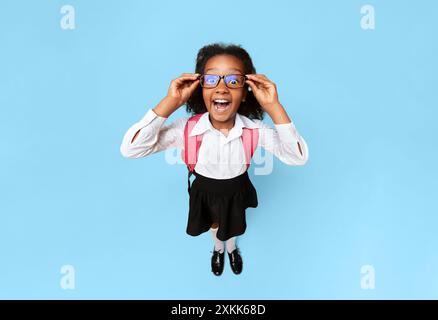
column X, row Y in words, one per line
column 232, row 81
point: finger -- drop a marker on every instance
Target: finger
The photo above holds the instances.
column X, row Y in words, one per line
column 189, row 74
column 259, row 75
column 184, row 79
column 259, row 78
column 252, row 85
column 260, row 85
column 194, row 84
column 254, row 78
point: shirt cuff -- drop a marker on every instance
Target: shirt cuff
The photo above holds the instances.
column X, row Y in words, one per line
column 151, row 116
column 287, row 132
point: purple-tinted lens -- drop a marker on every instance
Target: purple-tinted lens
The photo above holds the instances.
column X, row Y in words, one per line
column 234, row 80
column 210, row 80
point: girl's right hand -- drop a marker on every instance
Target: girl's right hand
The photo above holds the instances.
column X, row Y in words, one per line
column 181, row 89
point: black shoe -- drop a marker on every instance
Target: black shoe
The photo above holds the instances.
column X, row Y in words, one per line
column 217, row 262
column 236, row 262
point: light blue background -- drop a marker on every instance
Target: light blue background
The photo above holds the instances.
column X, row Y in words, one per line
column 363, row 100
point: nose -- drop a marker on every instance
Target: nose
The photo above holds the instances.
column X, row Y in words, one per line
column 221, row 87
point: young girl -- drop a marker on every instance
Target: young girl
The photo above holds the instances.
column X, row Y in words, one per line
column 228, row 100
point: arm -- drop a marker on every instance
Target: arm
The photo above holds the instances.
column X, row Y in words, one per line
column 286, row 128
column 284, row 142
column 162, row 110
column 150, row 135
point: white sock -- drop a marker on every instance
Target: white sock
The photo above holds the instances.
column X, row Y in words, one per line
column 218, row 244
column 231, row 244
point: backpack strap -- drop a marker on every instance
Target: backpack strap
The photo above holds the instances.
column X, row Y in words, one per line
column 191, row 146
column 191, row 143
column 250, row 139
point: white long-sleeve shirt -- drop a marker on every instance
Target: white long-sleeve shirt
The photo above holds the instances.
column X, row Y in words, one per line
column 220, row 156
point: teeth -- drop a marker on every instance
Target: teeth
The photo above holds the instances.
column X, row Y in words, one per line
column 219, row 108
column 221, row 105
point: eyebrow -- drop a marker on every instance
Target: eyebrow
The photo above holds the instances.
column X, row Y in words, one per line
column 228, row 69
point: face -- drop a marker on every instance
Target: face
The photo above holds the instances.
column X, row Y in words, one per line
column 230, row 97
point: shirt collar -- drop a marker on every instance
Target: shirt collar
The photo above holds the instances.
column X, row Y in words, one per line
column 241, row 121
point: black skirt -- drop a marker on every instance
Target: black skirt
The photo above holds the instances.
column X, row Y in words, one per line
column 220, row 200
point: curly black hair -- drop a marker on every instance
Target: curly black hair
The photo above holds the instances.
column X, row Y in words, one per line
column 250, row 107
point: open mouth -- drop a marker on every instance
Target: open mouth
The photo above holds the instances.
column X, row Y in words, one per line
column 221, row 105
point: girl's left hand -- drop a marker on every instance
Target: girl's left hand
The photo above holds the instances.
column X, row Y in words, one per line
column 264, row 90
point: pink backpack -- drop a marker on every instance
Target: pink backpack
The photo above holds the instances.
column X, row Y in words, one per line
column 192, row 144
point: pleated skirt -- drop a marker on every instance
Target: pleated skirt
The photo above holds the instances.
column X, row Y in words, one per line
column 222, row 201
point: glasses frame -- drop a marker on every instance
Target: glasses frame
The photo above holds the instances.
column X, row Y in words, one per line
column 220, row 78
